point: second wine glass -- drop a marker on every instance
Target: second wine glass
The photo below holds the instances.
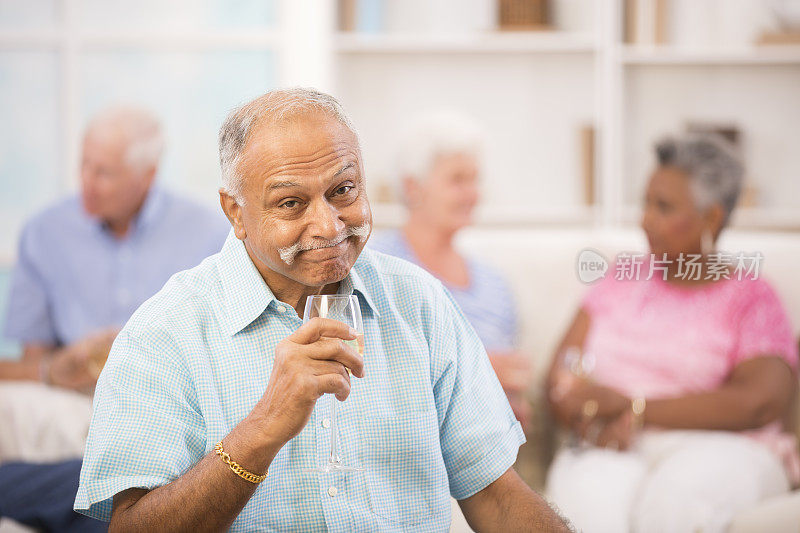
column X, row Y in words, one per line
column 346, row 309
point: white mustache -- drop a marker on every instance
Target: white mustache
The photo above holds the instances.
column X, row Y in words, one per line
column 289, row 253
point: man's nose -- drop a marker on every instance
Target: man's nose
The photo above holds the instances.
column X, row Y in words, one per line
column 88, row 177
column 324, row 220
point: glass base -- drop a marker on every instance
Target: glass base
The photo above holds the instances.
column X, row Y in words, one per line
column 335, row 468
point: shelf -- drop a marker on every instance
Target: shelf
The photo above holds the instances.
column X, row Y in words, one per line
column 505, row 42
column 30, row 39
column 247, row 40
column 488, row 216
column 744, row 218
column 762, row 55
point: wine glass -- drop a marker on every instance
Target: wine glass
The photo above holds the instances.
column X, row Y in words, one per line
column 575, row 365
column 344, row 308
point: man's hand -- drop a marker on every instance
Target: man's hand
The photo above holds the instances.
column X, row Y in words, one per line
column 309, row 363
column 514, row 373
column 78, row 365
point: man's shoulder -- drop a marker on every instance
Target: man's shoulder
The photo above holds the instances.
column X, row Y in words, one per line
column 187, row 301
column 57, row 224
column 388, row 242
column 184, row 207
column 379, row 270
column 197, row 226
column 66, row 211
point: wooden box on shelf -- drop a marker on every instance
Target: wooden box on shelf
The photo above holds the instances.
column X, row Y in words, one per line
column 523, row 14
column 785, row 38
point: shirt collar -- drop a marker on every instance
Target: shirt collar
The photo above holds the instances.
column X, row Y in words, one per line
column 353, row 284
column 246, row 294
column 151, row 208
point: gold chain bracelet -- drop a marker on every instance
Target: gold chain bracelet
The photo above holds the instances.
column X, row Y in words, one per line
column 638, row 406
column 237, row 469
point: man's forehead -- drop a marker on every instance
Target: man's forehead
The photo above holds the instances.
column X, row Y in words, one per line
column 299, row 133
column 299, row 143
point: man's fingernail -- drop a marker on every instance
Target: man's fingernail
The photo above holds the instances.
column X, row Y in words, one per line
column 353, row 332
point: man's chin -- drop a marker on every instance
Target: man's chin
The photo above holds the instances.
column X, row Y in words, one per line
column 323, row 272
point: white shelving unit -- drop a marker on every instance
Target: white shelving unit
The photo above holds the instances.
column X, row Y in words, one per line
column 532, row 91
column 486, row 43
column 603, row 82
column 772, row 55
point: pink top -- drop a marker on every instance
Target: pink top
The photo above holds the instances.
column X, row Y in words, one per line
column 655, row 339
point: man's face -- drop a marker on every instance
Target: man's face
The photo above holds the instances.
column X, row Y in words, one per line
column 110, row 190
column 305, row 216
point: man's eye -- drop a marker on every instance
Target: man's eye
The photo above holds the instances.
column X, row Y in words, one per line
column 344, row 189
column 289, row 204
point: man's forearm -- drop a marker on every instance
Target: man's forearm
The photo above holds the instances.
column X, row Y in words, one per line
column 509, row 504
column 29, row 366
column 527, row 512
column 20, row 370
column 208, row 497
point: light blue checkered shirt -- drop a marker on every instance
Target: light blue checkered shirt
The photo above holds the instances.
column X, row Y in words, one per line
column 428, row 420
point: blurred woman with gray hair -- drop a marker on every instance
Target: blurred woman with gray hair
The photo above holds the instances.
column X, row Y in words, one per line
column 438, row 164
column 680, row 384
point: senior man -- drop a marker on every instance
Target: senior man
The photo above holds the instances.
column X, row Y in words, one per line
column 85, row 264
column 207, row 415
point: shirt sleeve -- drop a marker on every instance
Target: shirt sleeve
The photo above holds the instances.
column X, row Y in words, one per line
column 478, row 433
column 145, row 431
column 764, row 328
column 29, row 315
column 601, row 294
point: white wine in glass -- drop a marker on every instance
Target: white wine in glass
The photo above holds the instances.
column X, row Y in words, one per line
column 344, row 308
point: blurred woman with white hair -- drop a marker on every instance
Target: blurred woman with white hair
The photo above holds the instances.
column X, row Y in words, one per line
column 438, row 166
column 683, row 410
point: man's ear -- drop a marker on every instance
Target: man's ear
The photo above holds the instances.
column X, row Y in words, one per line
column 149, row 176
column 233, row 211
column 411, row 191
column 715, row 220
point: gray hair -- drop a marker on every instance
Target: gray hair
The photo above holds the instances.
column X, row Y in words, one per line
column 141, row 130
column 712, row 164
column 273, row 107
column 432, row 135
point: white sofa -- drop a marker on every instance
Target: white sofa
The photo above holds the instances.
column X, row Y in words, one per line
column 541, row 266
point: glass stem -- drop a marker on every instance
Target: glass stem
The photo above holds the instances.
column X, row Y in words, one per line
column 335, row 459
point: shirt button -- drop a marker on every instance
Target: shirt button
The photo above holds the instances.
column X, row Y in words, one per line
column 326, row 422
column 332, row 491
column 281, row 309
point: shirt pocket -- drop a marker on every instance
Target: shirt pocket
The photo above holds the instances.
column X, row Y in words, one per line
column 404, row 472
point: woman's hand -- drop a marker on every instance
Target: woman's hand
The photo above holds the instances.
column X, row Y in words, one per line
column 618, row 433
column 577, row 402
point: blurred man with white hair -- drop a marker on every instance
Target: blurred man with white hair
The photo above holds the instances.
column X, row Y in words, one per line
column 84, row 266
